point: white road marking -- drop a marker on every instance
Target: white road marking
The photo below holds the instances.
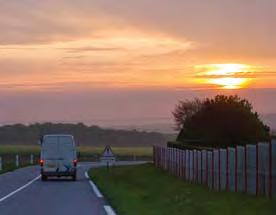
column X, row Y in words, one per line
column 95, row 189
column 86, row 175
column 19, row 189
column 109, row 210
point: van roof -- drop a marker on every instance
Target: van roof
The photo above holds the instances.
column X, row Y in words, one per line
column 58, row 135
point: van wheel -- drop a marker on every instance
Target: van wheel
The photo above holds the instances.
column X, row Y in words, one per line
column 74, row 177
column 44, row 178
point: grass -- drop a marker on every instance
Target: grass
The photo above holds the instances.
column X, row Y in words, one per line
column 11, row 167
column 144, row 189
column 7, row 168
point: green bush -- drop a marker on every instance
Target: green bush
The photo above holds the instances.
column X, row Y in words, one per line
column 220, row 122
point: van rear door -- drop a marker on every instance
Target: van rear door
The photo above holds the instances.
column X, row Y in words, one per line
column 50, row 153
column 67, row 153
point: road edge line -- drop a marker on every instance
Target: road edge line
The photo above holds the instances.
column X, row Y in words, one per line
column 86, row 175
column 19, row 189
column 94, row 187
column 108, row 209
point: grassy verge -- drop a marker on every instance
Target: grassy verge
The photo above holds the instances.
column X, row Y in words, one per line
column 144, row 189
column 11, row 167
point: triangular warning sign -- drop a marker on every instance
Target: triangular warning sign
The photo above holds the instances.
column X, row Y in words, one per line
column 107, row 152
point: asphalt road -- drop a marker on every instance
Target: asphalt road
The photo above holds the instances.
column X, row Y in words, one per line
column 53, row 197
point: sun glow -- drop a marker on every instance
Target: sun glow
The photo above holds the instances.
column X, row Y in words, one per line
column 226, row 76
column 229, row 83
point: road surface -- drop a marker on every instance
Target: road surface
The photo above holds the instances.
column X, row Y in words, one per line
column 55, row 197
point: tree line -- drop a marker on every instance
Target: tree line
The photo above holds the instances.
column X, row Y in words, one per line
column 18, row 134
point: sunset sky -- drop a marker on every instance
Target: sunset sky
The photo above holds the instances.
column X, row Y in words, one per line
column 127, row 61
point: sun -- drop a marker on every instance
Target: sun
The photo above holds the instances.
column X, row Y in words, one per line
column 229, row 83
column 225, row 76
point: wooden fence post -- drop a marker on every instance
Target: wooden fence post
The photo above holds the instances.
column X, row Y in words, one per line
column 174, row 161
column 245, row 169
column 193, row 170
column 1, row 167
column 219, row 173
column 179, row 162
column 227, row 172
column 206, row 175
column 153, row 155
column 182, row 163
column 189, row 165
column 270, row 171
column 236, row 169
column 161, row 158
column 213, row 171
column 164, row 158
column 201, row 167
column 257, row 169
column 197, row 167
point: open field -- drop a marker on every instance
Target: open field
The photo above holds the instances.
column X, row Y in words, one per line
column 8, row 152
column 19, row 149
column 144, row 189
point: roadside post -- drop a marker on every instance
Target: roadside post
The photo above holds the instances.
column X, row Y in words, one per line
column 1, row 168
column 17, row 160
column 108, row 158
column 31, row 159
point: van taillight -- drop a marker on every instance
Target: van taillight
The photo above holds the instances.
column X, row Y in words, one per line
column 75, row 162
column 41, row 162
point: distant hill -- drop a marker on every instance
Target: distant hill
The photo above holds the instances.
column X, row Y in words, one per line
column 84, row 135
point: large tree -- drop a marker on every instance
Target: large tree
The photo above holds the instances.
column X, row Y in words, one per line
column 219, row 122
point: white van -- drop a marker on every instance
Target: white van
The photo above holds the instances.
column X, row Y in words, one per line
column 58, row 156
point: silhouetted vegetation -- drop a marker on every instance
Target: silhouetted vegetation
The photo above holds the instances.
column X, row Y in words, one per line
column 84, row 135
column 219, row 122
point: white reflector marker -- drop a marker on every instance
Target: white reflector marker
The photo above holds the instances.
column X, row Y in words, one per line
column 86, row 175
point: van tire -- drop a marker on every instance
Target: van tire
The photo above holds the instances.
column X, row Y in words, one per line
column 44, row 178
column 74, row 177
